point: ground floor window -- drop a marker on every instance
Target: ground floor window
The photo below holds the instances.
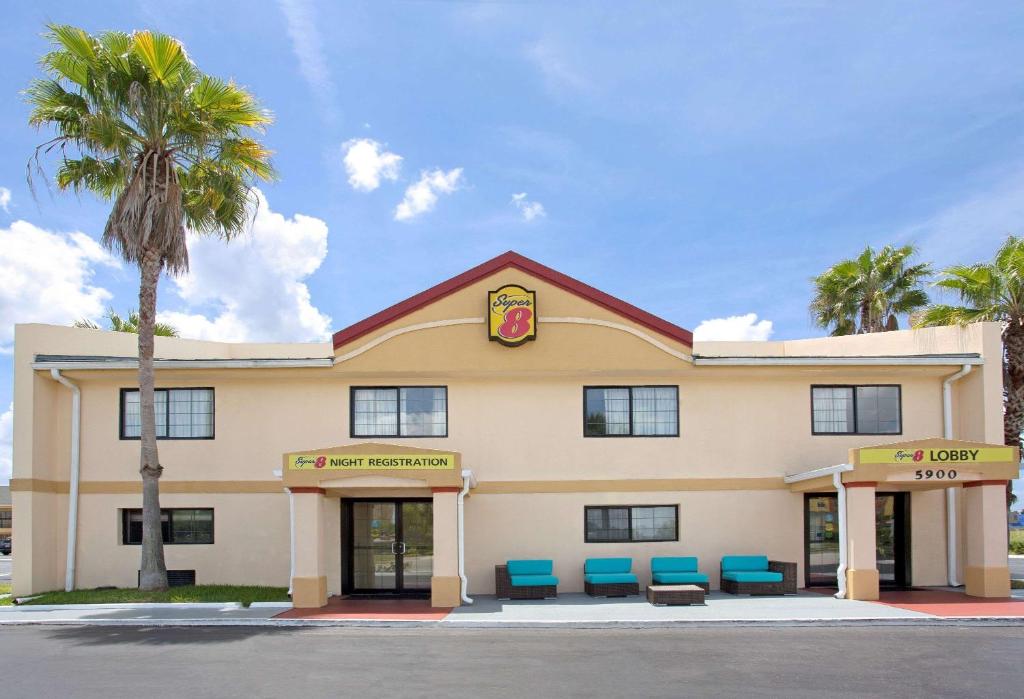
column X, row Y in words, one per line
column 606, row 524
column 178, row 525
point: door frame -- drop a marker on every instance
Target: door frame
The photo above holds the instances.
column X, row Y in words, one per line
column 901, row 547
column 348, row 550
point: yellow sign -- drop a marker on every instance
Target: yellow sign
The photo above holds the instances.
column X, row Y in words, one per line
column 512, row 315
column 371, row 462
column 952, row 455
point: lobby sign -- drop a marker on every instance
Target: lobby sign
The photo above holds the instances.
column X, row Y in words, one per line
column 370, row 462
column 931, row 456
column 512, row 315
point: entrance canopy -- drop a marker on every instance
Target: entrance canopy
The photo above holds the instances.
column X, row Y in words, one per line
column 372, row 465
column 921, row 464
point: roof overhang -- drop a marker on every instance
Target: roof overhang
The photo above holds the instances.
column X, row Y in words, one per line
column 87, row 363
column 880, row 360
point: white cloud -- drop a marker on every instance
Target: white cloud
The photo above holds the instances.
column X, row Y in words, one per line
column 6, row 444
column 46, row 278
column 5, row 199
column 745, row 327
column 307, row 44
column 255, row 285
column 421, row 196
column 559, row 74
column 366, row 163
column 529, row 209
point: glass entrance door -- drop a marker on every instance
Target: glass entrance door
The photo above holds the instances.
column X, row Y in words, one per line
column 822, row 520
column 821, row 545
column 390, row 546
column 890, row 539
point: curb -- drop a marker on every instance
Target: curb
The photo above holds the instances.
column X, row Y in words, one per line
column 113, row 605
column 970, row 621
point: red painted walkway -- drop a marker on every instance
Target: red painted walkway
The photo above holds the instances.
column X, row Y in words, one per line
column 949, row 603
column 371, row 610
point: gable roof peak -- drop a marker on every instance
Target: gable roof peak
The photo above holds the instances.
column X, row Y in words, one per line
column 507, row 259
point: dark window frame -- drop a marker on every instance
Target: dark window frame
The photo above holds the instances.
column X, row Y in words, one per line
column 126, row 513
column 674, row 387
column 167, row 417
column 7, row 515
column 398, row 417
column 629, row 516
column 854, row 387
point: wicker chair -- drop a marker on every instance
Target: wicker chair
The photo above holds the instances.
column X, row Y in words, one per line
column 504, row 589
column 609, row 567
column 786, row 587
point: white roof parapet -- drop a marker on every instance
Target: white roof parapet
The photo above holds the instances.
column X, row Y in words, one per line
column 910, row 360
column 816, row 473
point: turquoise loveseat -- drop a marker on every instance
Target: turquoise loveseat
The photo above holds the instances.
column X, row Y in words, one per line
column 609, row 577
column 756, row 575
column 678, row 570
column 525, row 579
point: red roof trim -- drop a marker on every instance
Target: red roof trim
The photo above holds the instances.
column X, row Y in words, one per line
column 512, row 259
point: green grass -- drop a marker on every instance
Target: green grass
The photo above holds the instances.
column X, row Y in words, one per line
column 246, row 594
column 5, row 589
column 1017, row 541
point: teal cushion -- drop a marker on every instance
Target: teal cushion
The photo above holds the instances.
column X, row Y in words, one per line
column 679, row 578
column 753, row 576
column 531, row 580
column 674, row 564
column 531, row 567
column 744, row 563
column 607, row 565
column 604, row 578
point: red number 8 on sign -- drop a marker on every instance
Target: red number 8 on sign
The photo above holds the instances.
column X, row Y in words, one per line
column 516, row 323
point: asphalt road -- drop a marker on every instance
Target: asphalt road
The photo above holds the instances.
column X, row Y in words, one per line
column 349, row 662
column 1017, row 567
column 5, row 568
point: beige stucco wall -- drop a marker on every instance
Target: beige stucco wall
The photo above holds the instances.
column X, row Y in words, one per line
column 515, row 415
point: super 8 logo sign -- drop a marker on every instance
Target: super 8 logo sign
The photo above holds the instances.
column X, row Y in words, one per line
column 512, row 315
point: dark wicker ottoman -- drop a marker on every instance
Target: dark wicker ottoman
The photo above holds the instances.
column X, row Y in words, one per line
column 504, row 589
column 675, row 594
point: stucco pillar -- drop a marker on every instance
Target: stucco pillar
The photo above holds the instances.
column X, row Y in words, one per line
column 862, row 568
column 309, row 579
column 444, row 583
column 986, row 573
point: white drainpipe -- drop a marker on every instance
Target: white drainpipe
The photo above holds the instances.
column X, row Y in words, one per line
column 952, row 543
column 76, row 429
column 467, row 478
column 291, row 538
column 837, row 480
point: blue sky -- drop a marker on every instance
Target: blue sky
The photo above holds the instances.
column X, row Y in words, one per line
column 701, row 160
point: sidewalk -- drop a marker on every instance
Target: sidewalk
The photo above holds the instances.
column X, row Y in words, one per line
column 928, row 607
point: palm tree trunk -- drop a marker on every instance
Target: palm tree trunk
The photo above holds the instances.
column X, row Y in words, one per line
column 1013, row 412
column 153, row 571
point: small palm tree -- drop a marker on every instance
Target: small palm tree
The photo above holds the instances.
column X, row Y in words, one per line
column 129, row 325
column 138, row 123
column 992, row 291
column 868, row 293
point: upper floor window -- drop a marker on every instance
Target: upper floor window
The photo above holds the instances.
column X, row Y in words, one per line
column 856, row 410
column 409, row 411
column 181, row 413
column 631, row 411
column 177, row 525
column 5, row 519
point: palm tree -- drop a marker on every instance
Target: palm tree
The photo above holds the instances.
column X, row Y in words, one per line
column 136, row 122
column 868, row 293
column 993, row 291
column 129, row 325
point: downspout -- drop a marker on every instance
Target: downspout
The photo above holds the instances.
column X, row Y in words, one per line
column 76, row 428
column 952, row 543
column 467, row 477
column 837, row 480
column 291, row 539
